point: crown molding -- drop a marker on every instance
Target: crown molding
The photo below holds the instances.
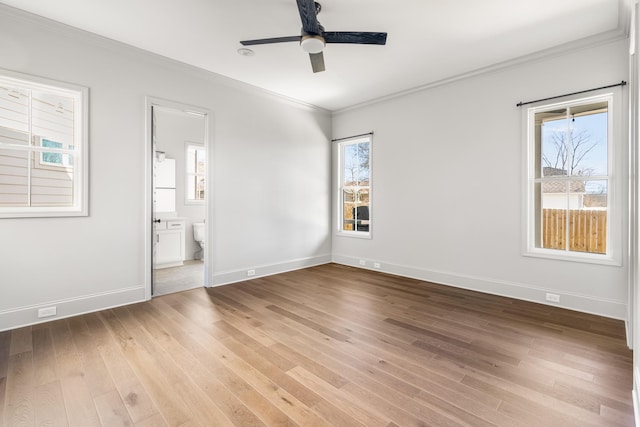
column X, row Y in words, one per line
column 154, row 58
column 584, row 43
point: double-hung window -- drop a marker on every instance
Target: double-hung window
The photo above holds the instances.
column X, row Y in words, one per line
column 354, row 193
column 572, row 206
column 195, row 170
column 43, row 147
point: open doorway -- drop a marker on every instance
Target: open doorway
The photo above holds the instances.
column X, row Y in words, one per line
column 178, row 186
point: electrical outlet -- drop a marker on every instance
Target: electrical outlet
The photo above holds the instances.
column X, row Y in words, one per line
column 376, row 265
column 363, row 262
column 553, row 297
column 46, row 312
column 251, row 273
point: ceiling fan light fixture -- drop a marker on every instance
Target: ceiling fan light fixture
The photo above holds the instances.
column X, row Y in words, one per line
column 245, row 52
column 312, row 43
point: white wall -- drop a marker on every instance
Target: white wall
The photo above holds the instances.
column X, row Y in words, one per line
column 173, row 129
column 271, row 177
column 447, row 184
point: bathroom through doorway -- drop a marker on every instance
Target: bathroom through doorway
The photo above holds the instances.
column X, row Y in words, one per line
column 179, row 191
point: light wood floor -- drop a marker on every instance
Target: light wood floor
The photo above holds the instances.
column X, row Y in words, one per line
column 329, row 345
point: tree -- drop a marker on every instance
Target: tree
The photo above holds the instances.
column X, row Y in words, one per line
column 568, row 151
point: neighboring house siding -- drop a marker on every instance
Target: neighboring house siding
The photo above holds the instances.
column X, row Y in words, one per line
column 51, row 185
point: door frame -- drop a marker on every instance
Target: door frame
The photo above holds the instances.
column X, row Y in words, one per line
column 159, row 103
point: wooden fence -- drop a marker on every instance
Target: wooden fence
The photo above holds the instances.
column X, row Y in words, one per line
column 587, row 230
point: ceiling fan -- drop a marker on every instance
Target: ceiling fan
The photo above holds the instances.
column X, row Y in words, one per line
column 314, row 37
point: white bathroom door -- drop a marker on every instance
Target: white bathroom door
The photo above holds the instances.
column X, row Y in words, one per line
column 154, row 209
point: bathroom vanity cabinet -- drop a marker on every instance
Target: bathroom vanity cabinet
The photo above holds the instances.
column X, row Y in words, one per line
column 169, row 243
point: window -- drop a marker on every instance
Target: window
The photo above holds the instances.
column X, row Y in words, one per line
column 570, row 187
column 43, row 147
column 195, row 168
column 355, row 187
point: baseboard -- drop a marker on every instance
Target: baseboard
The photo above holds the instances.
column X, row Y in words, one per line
column 26, row 316
column 240, row 275
column 571, row 301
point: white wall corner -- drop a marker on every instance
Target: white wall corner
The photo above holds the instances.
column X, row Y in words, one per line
column 233, row 276
column 28, row 315
column 582, row 303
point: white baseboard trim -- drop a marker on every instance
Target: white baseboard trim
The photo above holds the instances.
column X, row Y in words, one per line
column 26, row 316
column 232, row 276
column 571, row 301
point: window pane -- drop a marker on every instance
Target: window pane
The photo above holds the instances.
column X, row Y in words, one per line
column 52, row 117
column 554, row 143
column 363, row 163
column 349, row 195
column 14, row 115
column 574, row 142
column 347, row 214
column 200, row 188
column 200, row 161
column 195, row 165
column 350, row 162
column 575, row 219
column 596, row 193
column 362, row 196
column 555, row 201
column 588, row 225
column 13, row 178
column 52, row 186
column 589, row 139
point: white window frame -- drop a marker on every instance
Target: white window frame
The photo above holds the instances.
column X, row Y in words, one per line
column 187, row 175
column 340, row 193
column 80, row 96
column 615, row 144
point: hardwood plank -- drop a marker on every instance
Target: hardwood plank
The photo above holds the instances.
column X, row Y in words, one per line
column 153, row 421
column 79, row 405
column 111, row 410
column 19, row 403
column 49, row 405
column 44, row 357
column 21, row 341
column 97, row 376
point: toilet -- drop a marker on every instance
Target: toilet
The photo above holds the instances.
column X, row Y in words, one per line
column 198, row 236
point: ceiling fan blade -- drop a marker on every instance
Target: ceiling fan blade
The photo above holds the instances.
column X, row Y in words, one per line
column 307, row 9
column 356, row 37
column 317, row 62
column 271, row 40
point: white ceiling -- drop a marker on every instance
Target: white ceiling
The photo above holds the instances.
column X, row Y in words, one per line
column 428, row 40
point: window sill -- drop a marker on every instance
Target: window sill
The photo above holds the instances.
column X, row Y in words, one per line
column 354, row 234
column 588, row 258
